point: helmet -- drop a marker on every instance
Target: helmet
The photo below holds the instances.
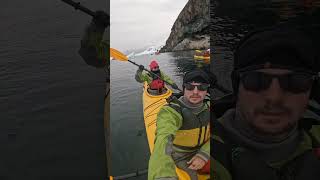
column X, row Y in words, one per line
column 153, row 64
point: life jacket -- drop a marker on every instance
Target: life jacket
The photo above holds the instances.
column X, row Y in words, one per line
column 243, row 163
column 156, row 84
column 195, row 129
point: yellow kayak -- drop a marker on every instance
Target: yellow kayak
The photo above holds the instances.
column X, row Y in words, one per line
column 151, row 107
column 201, row 57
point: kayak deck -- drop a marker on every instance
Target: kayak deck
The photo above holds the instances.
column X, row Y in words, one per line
column 151, row 106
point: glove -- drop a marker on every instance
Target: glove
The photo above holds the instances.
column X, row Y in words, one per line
column 101, row 19
column 141, row 67
column 174, row 86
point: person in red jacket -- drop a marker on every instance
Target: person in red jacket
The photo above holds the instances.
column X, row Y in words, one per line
column 155, row 79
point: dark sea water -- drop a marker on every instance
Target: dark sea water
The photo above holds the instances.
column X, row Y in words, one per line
column 129, row 145
column 51, row 102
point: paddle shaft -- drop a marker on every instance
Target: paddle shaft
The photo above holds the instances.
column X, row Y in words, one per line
column 77, row 5
column 151, row 73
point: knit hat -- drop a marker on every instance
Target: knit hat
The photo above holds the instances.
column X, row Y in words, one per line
column 153, row 64
column 281, row 47
column 196, row 76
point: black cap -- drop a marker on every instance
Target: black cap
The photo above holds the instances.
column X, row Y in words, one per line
column 280, row 46
column 196, row 76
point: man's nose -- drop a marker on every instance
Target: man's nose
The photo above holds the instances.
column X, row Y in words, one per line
column 195, row 90
column 274, row 91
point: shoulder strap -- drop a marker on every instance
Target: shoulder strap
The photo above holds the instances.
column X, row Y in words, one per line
column 174, row 104
column 175, row 107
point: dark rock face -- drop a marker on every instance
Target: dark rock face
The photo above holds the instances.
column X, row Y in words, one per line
column 191, row 29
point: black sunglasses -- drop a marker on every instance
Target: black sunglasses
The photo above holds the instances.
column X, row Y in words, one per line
column 296, row 82
column 201, row 87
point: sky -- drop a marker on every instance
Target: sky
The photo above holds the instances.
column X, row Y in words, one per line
column 137, row 24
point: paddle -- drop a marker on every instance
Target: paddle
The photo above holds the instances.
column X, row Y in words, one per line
column 117, row 55
column 77, row 6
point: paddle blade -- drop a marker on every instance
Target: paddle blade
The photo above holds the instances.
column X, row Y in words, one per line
column 118, row 55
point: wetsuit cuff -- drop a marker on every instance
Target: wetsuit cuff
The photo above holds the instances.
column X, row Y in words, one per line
column 203, row 156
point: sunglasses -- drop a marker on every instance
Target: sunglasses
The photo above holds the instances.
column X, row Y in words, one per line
column 296, row 82
column 200, row 87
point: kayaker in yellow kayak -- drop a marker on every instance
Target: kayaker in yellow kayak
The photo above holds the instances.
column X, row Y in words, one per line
column 154, row 80
column 205, row 53
column 182, row 132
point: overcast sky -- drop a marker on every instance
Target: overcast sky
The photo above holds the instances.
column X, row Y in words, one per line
column 142, row 23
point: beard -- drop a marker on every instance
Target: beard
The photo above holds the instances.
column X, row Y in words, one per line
column 272, row 108
column 279, row 110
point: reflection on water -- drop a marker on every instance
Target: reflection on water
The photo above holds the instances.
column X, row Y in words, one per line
column 128, row 138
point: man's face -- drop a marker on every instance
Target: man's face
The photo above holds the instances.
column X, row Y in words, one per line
column 273, row 110
column 193, row 93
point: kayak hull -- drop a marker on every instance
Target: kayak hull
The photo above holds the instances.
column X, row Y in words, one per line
column 151, row 106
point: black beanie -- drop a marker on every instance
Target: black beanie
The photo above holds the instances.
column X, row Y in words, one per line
column 280, row 46
column 283, row 47
column 196, row 76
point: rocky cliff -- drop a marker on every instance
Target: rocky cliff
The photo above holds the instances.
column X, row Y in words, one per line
column 191, row 28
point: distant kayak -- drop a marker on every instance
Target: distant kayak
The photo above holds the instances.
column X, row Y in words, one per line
column 151, row 106
column 201, row 57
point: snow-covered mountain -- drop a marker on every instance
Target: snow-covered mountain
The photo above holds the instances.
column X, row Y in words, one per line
column 148, row 51
column 151, row 50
